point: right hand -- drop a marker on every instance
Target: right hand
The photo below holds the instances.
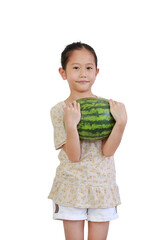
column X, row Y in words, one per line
column 72, row 115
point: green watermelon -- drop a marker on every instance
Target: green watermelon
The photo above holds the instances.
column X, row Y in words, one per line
column 96, row 120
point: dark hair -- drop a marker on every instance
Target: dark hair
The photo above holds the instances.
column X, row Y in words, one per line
column 75, row 46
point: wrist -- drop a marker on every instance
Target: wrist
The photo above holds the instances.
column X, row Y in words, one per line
column 120, row 124
column 71, row 128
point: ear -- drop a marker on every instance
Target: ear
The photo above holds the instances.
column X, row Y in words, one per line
column 62, row 73
column 97, row 71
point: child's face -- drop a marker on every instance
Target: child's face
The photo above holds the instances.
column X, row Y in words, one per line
column 80, row 71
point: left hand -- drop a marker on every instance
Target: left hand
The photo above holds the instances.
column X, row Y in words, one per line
column 72, row 115
column 118, row 111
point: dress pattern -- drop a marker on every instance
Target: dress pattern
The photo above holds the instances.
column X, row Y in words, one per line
column 89, row 183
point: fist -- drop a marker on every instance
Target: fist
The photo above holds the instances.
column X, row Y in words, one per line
column 72, row 114
column 118, row 111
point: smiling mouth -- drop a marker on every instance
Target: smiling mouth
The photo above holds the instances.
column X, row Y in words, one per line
column 82, row 82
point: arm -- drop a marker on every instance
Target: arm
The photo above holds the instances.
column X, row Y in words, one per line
column 111, row 144
column 72, row 146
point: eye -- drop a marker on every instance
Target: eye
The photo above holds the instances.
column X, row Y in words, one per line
column 89, row 68
column 75, row 67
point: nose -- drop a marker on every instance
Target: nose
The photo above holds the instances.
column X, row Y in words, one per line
column 83, row 73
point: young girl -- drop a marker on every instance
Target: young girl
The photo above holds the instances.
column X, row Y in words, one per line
column 85, row 186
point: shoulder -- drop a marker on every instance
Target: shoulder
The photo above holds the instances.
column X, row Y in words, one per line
column 57, row 108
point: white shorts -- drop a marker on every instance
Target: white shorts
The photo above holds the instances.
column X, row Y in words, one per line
column 89, row 214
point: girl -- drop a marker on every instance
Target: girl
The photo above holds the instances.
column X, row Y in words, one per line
column 85, row 186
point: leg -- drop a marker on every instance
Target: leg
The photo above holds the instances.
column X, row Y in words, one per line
column 98, row 230
column 74, row 230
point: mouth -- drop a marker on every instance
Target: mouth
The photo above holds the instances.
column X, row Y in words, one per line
column 83, row 82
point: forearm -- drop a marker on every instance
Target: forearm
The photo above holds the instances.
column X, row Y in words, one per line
column 111, row 144
column 72, row 117
column 72, row 146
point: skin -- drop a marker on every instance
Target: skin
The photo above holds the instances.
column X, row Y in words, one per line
column 80, row 73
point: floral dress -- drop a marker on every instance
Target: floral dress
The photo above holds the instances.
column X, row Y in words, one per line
column 89, row 183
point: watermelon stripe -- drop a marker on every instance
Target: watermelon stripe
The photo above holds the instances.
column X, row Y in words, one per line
column 93, row 112
column 94, row 106
column 94, row 119
column 87, row 100
column 90, row 122
column 91, row 106
column 94, row 138
column 95, row 126
column 95, row 131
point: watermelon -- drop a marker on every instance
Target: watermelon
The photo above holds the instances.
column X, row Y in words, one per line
column 96, row 120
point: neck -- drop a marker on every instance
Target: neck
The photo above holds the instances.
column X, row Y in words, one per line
column 74, row 96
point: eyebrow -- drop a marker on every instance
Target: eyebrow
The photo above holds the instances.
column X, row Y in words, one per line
column 79, row 63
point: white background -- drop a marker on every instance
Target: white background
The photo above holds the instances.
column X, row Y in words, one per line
column 130, row 39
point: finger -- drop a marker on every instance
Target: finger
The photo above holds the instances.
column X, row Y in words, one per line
column 115, row 103
column 78, row 106
column 66, row 107
column 111, row 102
column 68, row 104
column 71, row 105
column 74, row 104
